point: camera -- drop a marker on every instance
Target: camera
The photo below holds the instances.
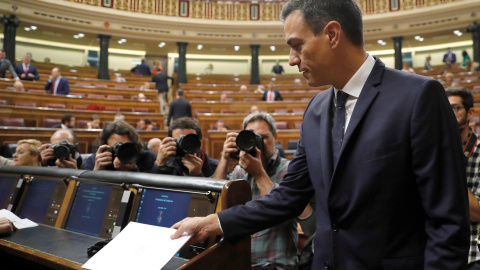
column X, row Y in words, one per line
column 125, row 152
column 61, row 151
column 188, row 144
column 247, row 140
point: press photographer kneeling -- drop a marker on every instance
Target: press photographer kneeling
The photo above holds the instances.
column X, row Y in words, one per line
column 120, row 149
column 62, row 151
column 180, row 153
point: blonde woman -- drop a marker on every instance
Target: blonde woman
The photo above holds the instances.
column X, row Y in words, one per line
column 27, row 153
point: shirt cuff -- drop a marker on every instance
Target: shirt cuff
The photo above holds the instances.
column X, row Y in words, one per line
column 220, row 224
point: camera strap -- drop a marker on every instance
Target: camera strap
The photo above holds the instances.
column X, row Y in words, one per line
column 272, row 166
column 470, row 144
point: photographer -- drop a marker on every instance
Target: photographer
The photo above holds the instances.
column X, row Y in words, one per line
column 174, row 160
column 120, row 149
column 58, row 138
column 262, row 166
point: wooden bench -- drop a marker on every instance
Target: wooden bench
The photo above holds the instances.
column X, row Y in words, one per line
column 244, row 107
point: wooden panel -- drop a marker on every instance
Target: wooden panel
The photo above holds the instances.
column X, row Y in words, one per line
column 215, row 95
column 244, row 107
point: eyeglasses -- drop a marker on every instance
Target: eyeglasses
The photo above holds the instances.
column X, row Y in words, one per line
column 457, row 108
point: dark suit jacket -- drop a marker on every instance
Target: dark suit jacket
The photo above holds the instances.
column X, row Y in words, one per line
column 31, row 69
column 62, row 89
column 179, row 108
column 160, row 81
column 142, row 69
column 397, row 197
column 277, row 95
column 452, row 55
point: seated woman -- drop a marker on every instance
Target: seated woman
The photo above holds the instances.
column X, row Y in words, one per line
column 27, row 153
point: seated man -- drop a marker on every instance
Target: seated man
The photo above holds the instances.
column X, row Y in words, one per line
column 57, row 85
column 94, row 123
column 26, row 71
column 194, row 165
column 68, row 121
column 275, row 247
column 119, row 132
column 272, row 94
column 48, row 157
column 146, row 124
column 18, row 86
column 154, row 144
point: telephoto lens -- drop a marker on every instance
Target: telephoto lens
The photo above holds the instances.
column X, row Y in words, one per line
column 127, row 153
column 246, row 141
column 61, row 151
column 188, row 144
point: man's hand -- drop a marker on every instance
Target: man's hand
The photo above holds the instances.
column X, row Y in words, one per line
column 6, row 226
column 199, row 227
column 30, row 75
column 193, row 163
column 102, row 158
column 50, row 77
column 22, row 76
column 67, row 163
column 167, row 148
column 253, row 165
column 119, row 166
column 46, row 153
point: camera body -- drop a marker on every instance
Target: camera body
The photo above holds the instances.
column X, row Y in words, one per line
column 188, row 144
column 126, row 152
column 61, row 151
column 246, row 141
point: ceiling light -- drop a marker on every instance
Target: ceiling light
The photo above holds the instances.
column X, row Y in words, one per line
column 418, row 37
column 272, row 48
column 459, row 33
column 236, row 48
column 380, row 41
column 123, row 40
column 27, row 28
column 199, row 46
column 456, row 32
column 81, row 34
column 33, row 27
column 162, row 44
column 76, row 36
column 120, row 42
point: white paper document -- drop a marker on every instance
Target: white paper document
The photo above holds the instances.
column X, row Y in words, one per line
column 17, row 222
column 138, row 246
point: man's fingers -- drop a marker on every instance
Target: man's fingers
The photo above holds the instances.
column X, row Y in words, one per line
column 43, row 147
column 102, row 148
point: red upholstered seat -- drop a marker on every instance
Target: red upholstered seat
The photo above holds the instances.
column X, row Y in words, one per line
column 26, row 104
column 144, row 110
column 476, row 88
column 134, row 97
column 37, row 91
column 81, row 123
column 281, row 125
column 102, row 86
column 121, row 86
column 56, row 106
column 228, row 111
column 298, row 125
column 95, row 96
column 199, row 99
column 250, row 99
column 12, row 122
column 3, row 102
column 115, row 97
column 83, row 84
column 213, row 127
column 48, row 122
column 112, row 109
column 197, row 112
column 80, row 107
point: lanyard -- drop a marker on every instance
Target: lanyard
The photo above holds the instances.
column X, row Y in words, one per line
column 470, row 145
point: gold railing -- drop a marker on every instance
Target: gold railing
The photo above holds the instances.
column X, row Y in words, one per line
column 241, row 10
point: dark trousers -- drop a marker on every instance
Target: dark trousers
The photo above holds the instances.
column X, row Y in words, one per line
column 474, row 266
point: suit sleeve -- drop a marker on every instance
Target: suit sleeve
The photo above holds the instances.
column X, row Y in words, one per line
column 48, row 85
column 67, row 87
column 439, row 170
column 189, row 110
column 170, row 113
column 12, row 70
column 35, row 74
column 264, row 97
column 279, row 96
column 283, row 203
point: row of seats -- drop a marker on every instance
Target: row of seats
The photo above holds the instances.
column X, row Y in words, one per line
column 97, row 96
column 48, row 123
column 75, row 107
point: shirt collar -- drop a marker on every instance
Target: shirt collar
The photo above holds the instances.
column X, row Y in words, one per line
column 355, row 84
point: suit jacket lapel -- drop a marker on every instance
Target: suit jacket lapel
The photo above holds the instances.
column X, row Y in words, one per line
column 367, row 96
column 326, row 116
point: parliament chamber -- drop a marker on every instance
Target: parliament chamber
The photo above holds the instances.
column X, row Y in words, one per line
column 220, row 54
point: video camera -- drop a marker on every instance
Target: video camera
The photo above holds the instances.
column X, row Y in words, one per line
column 61, row 151
column 125, row 152
column 188, row 144
column 246, row 141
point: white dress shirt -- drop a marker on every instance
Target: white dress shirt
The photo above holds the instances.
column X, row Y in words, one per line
column 354, row 87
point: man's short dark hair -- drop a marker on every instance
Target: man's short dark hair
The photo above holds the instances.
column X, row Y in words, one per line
column 465, row 94
column 95, row 117
column 147, row 120
column 185, row 123
column 67, row 118
column 180, row 92
column 318, row 13
column 120, row 128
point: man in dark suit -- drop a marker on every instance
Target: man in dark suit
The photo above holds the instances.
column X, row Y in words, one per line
column 142, row 69
column 380, row 151
column 161, row 84
column 179, row 108
column 68, row 121
column 449, row 57
column 277, row 68
column 5, row 65
column 57, row 85
column 271, row 94
column 26, row 71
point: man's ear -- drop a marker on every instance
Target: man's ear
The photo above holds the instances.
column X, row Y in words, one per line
column 470, row 113
column 333, row 32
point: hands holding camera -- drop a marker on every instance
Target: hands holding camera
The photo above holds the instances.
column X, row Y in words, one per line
column 105, row 156
column 50, row 157
column 169, row 147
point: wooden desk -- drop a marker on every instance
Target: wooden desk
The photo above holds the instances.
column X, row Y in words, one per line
column 215, row 139
column 34, row 116
column 237, row 96
column 42, row 100
column 244, row 107
column 85, row 137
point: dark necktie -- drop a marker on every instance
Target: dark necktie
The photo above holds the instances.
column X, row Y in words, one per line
column 338, row 125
